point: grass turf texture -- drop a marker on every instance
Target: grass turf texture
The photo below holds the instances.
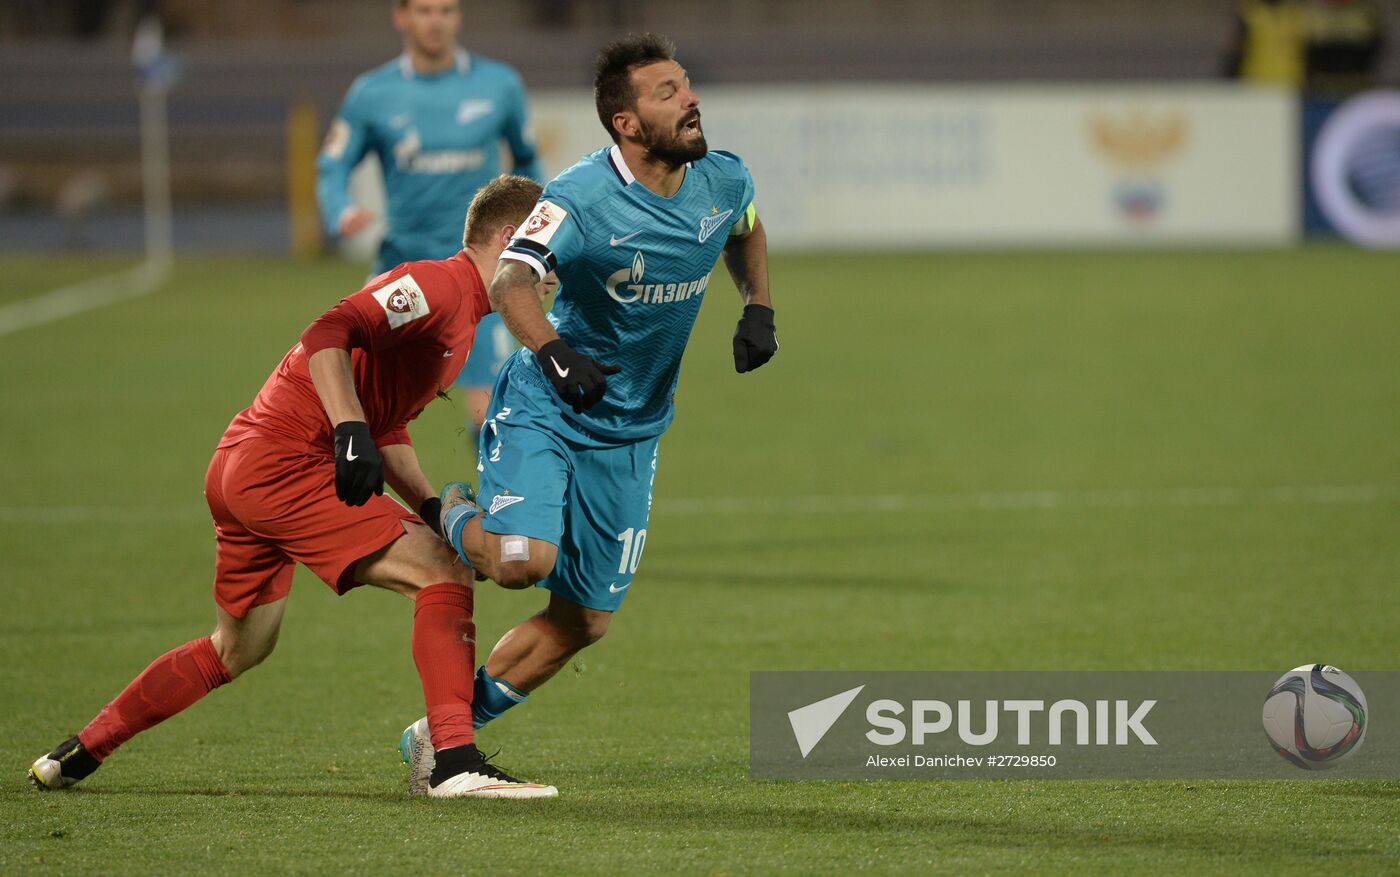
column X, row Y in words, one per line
column 907, row 387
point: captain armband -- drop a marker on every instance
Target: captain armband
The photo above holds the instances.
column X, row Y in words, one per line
column 746, row 222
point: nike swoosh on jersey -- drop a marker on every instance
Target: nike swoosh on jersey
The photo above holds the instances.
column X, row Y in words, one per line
column 618, row 241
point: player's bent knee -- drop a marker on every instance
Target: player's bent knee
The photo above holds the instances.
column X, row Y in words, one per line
column 520, row 574
column 523, row 561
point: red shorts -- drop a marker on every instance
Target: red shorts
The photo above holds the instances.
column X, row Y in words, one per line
column 274, row 507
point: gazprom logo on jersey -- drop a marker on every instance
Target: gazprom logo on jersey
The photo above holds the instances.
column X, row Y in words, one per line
column 410, row 156
column 625, row 286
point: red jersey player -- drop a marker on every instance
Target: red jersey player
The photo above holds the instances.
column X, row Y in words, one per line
column 299, row 477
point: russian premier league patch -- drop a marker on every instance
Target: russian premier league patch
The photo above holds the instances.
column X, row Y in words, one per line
column 543, row 222
column 337, row 139
column 403, row 301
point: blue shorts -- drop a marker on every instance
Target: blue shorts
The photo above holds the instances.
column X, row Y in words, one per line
column 590, row 498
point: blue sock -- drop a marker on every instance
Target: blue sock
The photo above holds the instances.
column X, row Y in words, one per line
column 492, row 697
column 456, row 522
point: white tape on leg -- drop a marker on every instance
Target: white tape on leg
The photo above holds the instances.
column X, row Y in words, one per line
column 514, row 548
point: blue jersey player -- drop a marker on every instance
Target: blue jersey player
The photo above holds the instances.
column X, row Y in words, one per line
column 435, row 117
column 569, row 454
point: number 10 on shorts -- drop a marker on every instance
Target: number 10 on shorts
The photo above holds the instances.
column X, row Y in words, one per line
column 633, row 541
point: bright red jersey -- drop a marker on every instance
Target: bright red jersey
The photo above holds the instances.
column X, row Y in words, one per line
column 408, row 333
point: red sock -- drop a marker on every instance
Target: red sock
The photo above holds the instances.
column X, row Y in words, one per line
column 444, row 648
column 175, row 680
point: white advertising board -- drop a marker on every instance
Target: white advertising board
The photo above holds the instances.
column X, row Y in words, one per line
column 996, row 165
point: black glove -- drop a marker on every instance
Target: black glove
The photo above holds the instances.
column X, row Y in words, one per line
column 755, row 340
column 359, row 470
column 431, row 513
column 579, row 380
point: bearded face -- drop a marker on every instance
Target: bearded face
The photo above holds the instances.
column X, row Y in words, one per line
column 674, row 143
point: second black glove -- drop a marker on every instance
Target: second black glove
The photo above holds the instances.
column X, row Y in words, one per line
column 579, row 380
column 359, row 470
column 755, row 339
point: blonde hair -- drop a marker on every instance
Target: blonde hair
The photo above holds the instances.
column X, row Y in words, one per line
column 506, row 200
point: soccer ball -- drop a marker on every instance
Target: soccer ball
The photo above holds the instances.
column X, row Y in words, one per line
column 1315, row 716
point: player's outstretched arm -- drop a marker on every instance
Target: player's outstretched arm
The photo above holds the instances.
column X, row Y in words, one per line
column 514, row 295
column 580, row 380
column 755, row 338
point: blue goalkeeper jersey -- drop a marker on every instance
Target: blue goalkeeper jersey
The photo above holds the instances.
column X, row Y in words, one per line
column 633, row 267
column 438, row 141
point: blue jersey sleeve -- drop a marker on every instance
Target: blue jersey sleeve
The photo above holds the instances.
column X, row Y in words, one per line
column 346, row 144
column 744, row 212
column 552, row 234
column 520, row 136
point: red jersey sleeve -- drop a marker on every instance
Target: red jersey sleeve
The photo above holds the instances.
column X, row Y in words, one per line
column 342, row 326
column 396, row 436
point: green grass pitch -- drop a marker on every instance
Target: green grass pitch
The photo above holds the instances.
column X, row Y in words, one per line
column 957, row 461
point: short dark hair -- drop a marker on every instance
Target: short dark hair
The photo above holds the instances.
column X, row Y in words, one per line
column 506, row 200
column 612, row 73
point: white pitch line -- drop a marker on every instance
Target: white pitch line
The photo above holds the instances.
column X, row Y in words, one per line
column 79, row 297
column 1014, row 500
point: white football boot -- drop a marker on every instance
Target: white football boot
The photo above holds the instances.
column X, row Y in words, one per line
column 480, row 779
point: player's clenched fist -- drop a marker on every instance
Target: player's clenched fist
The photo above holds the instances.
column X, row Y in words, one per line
column 579, row 380
column 755, row 340
column 359, row 471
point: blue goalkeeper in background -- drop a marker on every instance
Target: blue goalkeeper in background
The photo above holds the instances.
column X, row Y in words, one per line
column 436, row 117
column 569, row 454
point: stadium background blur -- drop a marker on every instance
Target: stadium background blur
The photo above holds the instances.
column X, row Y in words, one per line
column 254, row 78
column 1080, row 370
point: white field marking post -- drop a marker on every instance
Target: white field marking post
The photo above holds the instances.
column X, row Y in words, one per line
column 147, row 56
